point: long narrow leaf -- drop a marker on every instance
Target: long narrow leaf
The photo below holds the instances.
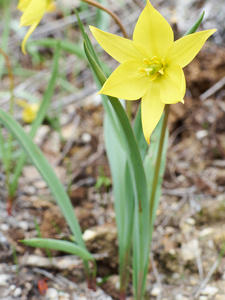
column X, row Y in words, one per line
column 42, row 165
column 39, row 119
column 138, row 131
column 64, row 45
column 64, row 246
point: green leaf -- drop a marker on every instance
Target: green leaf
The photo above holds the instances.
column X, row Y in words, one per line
column 138, row 131
column 141, row 231
column 196, row 25
column 64, row 45
column 150, row 161
column 39, row 119
column 64, row 246
column 124, row 198
column 47, row 173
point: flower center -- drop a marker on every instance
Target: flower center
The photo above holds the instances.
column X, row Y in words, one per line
column 153, row 67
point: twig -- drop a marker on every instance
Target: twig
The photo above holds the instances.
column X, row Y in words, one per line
column 156, row 274
column 217, row 86
column 207, row 278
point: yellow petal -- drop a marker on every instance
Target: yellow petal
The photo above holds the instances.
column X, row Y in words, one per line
column 126, row 82
column 23, row 4
column 153, row 32
column 172, row 85
column 51, row 7
column 183, row 87
column 119, row 48
column 151, row 109
column 34, row 12
column 187, row 47
column 30, row 112
column 29, row 32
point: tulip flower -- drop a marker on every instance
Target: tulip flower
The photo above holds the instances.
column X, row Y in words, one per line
column 29, row 110
column 33, row 12
column 151, row 64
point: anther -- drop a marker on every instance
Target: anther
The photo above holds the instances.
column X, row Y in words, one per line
column 146, row 61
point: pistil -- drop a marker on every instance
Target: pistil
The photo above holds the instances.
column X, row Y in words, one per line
column 154, row 67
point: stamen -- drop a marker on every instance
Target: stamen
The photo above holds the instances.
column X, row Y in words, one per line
column 154, row 67
column 141, row 70
column 146, row 61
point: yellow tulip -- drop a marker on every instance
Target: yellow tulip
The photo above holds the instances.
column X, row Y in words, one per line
column 29, row 110
column 33, row 11
column 151, row 64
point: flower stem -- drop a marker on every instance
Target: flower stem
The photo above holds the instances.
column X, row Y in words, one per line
column 111, row 13
column 158, row 161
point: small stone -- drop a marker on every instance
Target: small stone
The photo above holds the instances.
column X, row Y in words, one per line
column 209, row 291
column 12, row 287
column 23, row 225
column 52, row 294
column 64, row 296
column 203, row 298
column 4, row 227
column 89, row 235
column 190, row 250
column 190, row 221
column 178, row 297
column 206, row 231
column 201, row 134
column 17, row 292
column 3, row 279
column 155, row 291
column 86, row 137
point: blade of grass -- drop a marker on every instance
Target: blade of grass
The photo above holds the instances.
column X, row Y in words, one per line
column 39, row 119
column 138, row 131
column 47, row 173
column 124, row 200
column 64, row 246
column 5, row 33
column 64, row 45
column 42, row 165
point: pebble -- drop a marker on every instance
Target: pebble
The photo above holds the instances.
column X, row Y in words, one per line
column 203, row 298
column 190, row 221
column 209, row 291
column 12, row 287
column 64, row 296
column 180, row 297
column 23, row 225
column 155, row 291
column 4, row 227
column 190, row 250
column 206, row 231
column 52, row 294
column 3, row 279
column 201, row 134
column 89, row 235
column 17, row 292
column 86, row 137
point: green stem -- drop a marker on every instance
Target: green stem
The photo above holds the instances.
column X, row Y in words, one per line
column 158, row 160
column 128, row 109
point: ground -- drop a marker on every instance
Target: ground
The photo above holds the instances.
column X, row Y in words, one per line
column 187, row 257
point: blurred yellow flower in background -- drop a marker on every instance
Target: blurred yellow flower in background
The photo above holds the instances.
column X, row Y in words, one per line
column 151, row 65
column 33, row 11
column 29, row 110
